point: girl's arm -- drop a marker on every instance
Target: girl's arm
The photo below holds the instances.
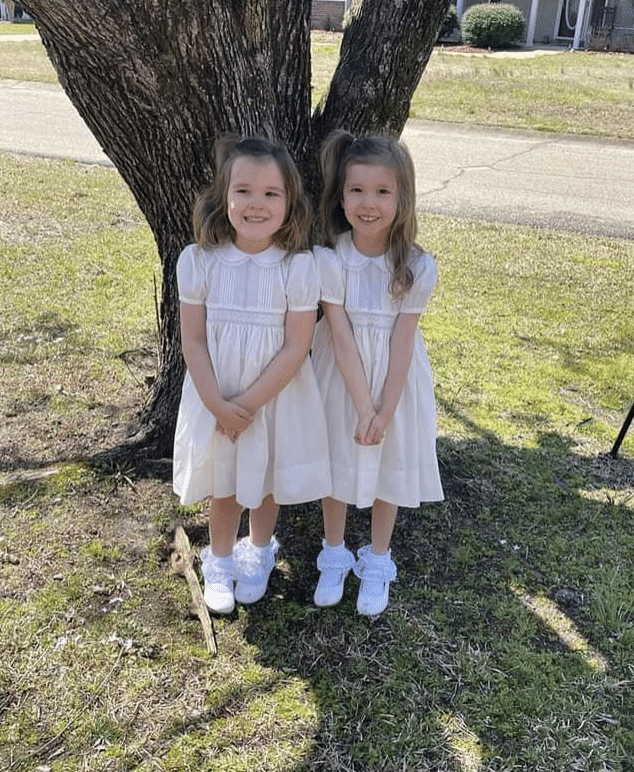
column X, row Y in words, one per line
column 401, row 352
column 351, row 367
column 298, row 336
column 230, row 417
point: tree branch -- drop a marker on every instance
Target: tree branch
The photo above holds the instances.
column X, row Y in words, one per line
column 377, row 74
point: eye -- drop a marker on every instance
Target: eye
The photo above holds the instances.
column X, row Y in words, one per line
column 273, row 193
column 385, row 191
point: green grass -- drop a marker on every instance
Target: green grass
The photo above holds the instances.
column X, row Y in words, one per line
column 324, row 57
column 72, row 244
column 26, row 61
column 509, row 640
column 576, row 338
column 17, row 28
column 577, row 93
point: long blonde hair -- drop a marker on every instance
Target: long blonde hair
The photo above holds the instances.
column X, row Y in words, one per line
column 339, row 151
column 211, row 215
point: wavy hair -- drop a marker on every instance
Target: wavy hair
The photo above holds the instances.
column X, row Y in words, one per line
column 210, row 217
column 339, row 151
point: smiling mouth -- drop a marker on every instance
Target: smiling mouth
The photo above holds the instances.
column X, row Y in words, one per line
column 254, row 219
column 367, row 218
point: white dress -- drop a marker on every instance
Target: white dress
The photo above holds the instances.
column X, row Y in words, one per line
column 284, row 451
column 403, row 469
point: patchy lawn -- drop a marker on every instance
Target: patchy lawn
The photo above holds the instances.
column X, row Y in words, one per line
column 509, row 641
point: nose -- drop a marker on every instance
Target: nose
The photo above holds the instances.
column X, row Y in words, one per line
column 257, row 201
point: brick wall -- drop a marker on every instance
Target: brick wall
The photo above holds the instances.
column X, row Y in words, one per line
column 327, row 14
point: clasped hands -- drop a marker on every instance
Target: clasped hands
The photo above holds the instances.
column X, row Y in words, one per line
column 371, row 428
column 232, row 418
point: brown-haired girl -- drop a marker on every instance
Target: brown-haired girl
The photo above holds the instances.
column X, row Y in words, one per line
column 369, row 358
column 248, row 300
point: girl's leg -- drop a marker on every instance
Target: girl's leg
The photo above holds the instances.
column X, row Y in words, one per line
column 217, row 559
column 375, row 567
column 383, row 519
column 262, row 522
column 224, row 521
column 334, row 513
column 255, row 554
column 334, row 561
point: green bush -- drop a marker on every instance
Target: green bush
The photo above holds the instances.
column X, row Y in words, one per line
column 450, row 23
column 492, row 25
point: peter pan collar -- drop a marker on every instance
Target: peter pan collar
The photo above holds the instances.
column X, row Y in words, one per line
column 355, row 260
column 229, row 254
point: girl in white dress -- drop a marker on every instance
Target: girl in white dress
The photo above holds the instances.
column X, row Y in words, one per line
column 248, row 301
column 369, row 358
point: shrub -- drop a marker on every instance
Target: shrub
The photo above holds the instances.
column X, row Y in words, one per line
column 450, row 23
column 492, row 25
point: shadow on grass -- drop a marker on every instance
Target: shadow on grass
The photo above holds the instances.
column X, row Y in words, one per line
column 508, row 643
column 20, row 346
column 509, row 638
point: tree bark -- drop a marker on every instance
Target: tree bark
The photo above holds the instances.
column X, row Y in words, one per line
column 385, row 49
column 157, row 82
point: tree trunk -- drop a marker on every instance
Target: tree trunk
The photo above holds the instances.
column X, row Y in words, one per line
column 385, row 49
column 156, row 82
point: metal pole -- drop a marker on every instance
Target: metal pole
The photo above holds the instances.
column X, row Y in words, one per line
column 626, row 425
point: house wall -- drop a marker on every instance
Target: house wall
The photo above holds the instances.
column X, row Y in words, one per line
column 624, row 19
column 620, row 37
column 619, row 40
column 548, row 28
column 327, row 14
column 546, row 17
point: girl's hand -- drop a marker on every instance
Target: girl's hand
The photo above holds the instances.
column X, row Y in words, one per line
column 232, row 434
column 232, row 418
column 376, row 432
column 233, row 431
column 363, row 426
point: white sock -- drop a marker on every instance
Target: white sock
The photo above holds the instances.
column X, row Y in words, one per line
column 223, row 558
column 261, row 549
column 329, row 548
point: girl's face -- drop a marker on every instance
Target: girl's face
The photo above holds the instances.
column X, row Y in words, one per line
column 256, row 202
column 370, row 201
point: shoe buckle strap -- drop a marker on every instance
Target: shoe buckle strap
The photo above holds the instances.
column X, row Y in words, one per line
column 368, row 569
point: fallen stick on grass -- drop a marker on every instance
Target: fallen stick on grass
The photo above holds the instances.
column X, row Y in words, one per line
column 181, row 562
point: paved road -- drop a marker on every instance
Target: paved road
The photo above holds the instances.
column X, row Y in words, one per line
column 550, row 180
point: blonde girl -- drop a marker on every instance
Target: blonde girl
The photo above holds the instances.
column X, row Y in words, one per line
column 248, row 299
column 369, row 358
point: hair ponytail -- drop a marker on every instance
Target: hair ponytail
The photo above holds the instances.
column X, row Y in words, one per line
column 331, row 161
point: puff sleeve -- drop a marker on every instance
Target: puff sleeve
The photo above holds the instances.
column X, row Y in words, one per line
column 425, row 276
column 191, row 276
column 330, row 274
column 302, row 286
